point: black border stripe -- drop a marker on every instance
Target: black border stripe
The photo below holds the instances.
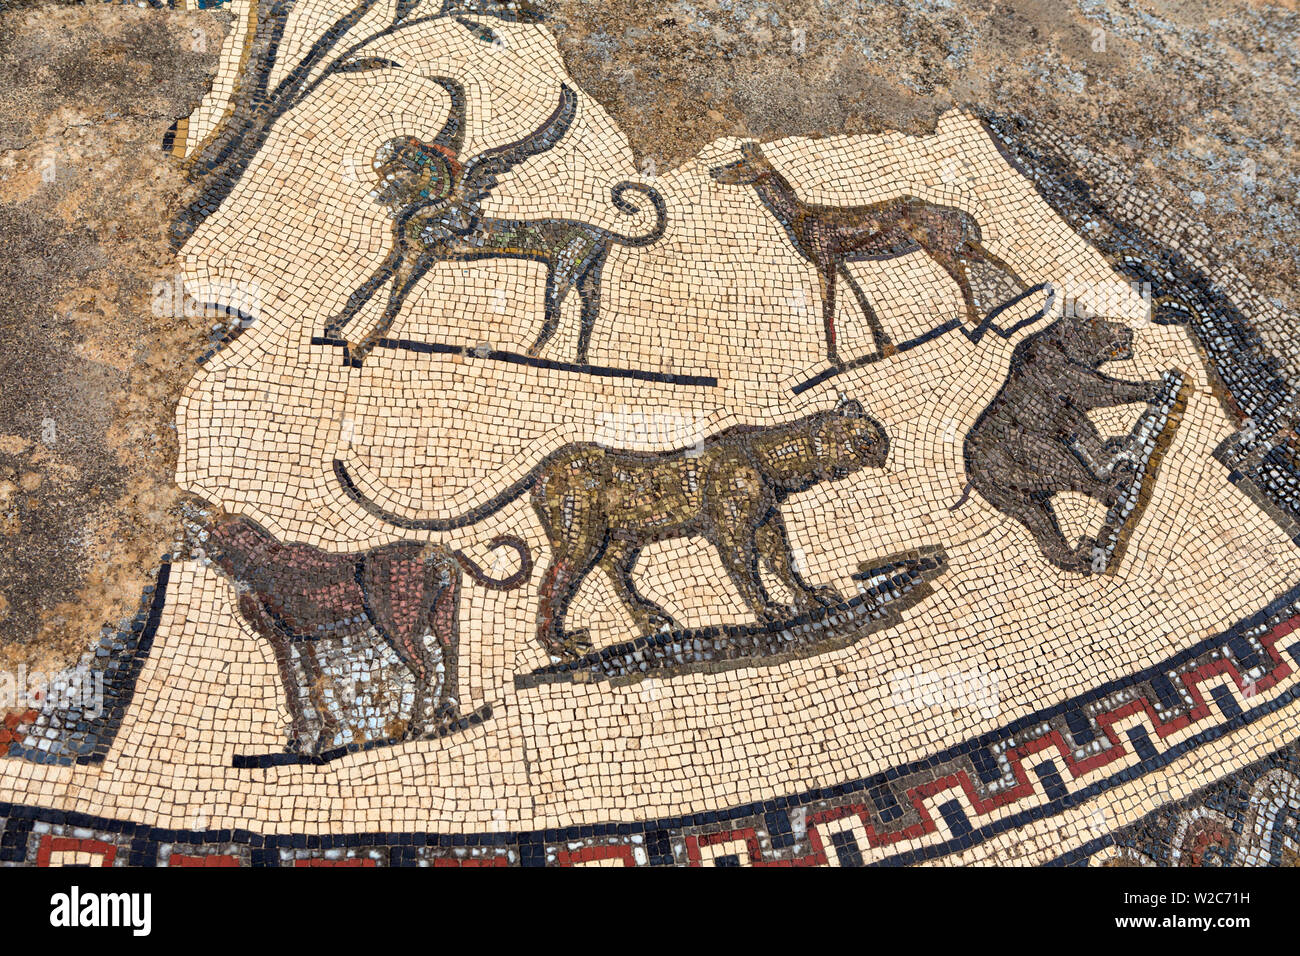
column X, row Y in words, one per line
column 518, row 358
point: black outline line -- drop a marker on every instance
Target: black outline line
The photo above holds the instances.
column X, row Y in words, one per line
column 680, row 651
column 974, row 336
column 518, row 358
column 256, row 761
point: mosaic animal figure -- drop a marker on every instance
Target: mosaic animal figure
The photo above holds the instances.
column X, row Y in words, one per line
column 1035, row 439
column 831, row 236
column 435, row 200
column 601, row 507
column 408, row 591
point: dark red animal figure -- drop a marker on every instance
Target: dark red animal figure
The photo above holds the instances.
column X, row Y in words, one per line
column 830, row 236
column 408, row 591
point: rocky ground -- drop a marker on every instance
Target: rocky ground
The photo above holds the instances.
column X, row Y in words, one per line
column 89, row 376
column 1197, row 99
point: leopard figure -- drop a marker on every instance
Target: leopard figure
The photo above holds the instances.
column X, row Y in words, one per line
column 601, row 507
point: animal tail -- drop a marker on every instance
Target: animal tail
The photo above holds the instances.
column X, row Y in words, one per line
column 500, row 584
column 473, row 516
column 964, row 495
column 656, row 200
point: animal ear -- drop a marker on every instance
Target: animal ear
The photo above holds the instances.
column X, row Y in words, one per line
column 749, row 150
column 850, row 407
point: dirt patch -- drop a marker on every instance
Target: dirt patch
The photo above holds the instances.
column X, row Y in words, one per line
column 91, row 374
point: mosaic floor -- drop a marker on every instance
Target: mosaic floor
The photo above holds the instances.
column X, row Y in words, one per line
column 822, row 501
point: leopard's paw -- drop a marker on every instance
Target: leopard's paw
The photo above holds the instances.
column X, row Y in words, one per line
column 566, row 647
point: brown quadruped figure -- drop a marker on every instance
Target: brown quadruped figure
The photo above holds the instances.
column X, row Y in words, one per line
column 297, row 594
column 831, row 236
column 601, row 506
column 1035, row 440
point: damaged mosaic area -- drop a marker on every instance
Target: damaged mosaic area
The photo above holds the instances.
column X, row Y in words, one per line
column 862, row 499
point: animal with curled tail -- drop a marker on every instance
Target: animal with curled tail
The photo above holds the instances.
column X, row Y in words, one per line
column 435, row 202
column 600, row 507
column 408, row 591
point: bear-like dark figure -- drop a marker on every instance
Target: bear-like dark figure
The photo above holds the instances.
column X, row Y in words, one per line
column 1035, row 440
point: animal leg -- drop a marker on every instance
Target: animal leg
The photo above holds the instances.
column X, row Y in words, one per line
column 560, row 584
column 734, row 537
column 404, row 280
column 1102, row 458
column 732, row 520
column 955, row 259
column 395, row 582
column 329, row 726
column 1120, row 391
column 555, row 293
column 551, row 605
column 575, row 529
column 741, row 562
column 773, row 543
column 956, row 269
column 1036, row 514
column 1059, row 468
column 827, row 279
column 336, row 324
column 977, row 251
column 442, row 597
column 253, row 612
column 883, row 342
column 589, row 292
column 618, row 562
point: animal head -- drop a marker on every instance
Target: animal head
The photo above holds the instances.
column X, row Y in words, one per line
column 848, row 439
column 237, row 546
column 750, row 168
column 414, row 173
column 1092, row 340
column 411, row 171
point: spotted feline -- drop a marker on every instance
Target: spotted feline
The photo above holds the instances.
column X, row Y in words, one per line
column 601, row 507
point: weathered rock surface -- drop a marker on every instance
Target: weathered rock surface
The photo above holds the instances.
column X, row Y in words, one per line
column 90, row 375
column 1197, row 98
